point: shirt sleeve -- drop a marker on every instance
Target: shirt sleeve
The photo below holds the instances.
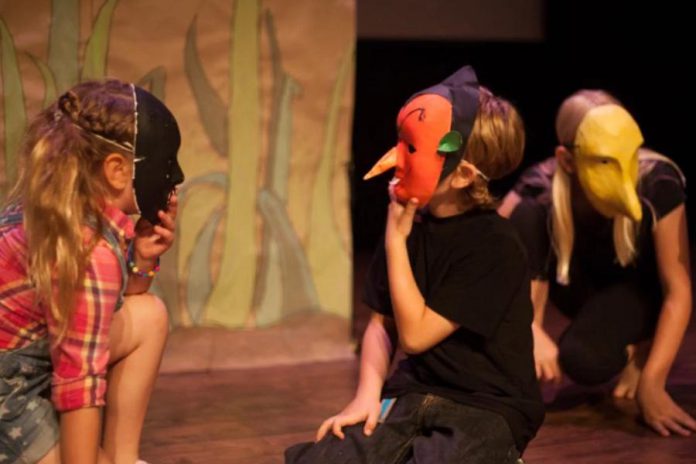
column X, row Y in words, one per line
column 535, row 182
column 376, row 289
column 531, row 221
column 80, row 359
column 480, row 286
column 663, row 188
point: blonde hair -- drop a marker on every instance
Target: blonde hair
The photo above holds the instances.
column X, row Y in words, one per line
column 495, row 145
column 61, row 186
column 569, row 117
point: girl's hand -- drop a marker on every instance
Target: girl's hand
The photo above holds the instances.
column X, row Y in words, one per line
column 152, row 241
column 545, row 356
column 661, row 412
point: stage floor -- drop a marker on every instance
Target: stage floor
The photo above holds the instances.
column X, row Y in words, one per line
column 251, row 415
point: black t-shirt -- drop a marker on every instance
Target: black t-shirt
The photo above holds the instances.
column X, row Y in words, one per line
column 594, row 263
column 471, row 269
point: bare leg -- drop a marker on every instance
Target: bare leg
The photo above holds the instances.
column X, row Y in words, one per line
column 53, row 457
column 137, row 339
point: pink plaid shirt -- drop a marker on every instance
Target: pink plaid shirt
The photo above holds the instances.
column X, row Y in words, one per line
column 81, row 358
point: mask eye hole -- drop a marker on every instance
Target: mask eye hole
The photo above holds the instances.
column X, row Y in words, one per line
column 604, row 160
column 411, row 148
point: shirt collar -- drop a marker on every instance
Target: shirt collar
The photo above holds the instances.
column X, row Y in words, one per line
column 119, row 222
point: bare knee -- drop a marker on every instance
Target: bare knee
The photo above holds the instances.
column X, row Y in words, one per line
column 52, row 457
column 149, row 311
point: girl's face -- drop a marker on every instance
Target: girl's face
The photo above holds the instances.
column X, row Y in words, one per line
column 118, row 171
column 130, row 203
column 130, row 206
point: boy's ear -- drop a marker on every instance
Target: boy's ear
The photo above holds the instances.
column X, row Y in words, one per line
column 565, row 159
column 463, row 176
column 118, row 171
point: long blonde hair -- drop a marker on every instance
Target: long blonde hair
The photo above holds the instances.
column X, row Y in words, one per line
column 495, row 145
column 570, row 115
column 61, row 186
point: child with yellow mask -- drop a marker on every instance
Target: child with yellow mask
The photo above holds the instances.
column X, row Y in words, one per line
column 605, row 227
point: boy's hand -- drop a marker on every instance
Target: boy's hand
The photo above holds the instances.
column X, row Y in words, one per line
column 152, row 241
column 358, row 410
column 400, row 220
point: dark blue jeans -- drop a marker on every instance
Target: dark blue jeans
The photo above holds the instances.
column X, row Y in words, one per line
column 422, row 429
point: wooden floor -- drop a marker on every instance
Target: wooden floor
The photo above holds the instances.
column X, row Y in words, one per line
column 251, row 416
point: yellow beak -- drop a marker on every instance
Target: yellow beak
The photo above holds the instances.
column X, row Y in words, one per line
column 630, row 202
column 385, row 163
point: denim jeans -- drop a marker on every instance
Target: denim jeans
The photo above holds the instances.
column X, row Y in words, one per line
column 420, row 429
column 28, row 422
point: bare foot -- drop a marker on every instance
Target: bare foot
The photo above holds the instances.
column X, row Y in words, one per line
column 627, row 385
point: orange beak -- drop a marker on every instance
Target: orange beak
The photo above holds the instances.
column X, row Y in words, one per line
column 385, row 163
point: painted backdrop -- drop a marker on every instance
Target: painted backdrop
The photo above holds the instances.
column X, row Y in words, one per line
column 262, row 90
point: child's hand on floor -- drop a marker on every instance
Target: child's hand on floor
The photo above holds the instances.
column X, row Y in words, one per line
column 661, row 412
column 358, row 410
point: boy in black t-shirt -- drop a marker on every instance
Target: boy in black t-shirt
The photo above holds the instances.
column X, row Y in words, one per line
column 452, row 285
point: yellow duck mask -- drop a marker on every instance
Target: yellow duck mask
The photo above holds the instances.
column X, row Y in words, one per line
column 606, row 160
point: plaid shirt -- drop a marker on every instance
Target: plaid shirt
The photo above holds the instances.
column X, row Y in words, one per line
column 80, row 359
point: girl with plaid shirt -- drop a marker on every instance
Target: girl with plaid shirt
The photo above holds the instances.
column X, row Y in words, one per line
column 78, row 331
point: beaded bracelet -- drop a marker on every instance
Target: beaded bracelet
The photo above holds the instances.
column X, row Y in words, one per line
column 135, row 270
